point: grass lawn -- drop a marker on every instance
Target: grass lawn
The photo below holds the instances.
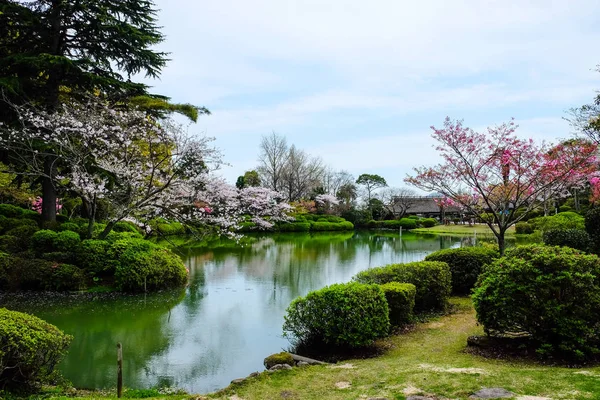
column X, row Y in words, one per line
column 480, row 229
column 429, row 360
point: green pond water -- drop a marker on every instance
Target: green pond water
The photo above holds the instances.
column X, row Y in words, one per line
column 229, row 317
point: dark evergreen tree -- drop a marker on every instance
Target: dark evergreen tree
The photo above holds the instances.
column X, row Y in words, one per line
column 56, row 50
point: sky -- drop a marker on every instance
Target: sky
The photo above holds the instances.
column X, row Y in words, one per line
column 360, row 83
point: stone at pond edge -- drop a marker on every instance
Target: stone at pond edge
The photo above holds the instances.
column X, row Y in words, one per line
column 492, row 393
column 302, row 363
column 279, row 358
column 237, row 381
column 278, row 367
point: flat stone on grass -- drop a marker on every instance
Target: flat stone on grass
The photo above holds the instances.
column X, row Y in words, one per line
column 492, row 393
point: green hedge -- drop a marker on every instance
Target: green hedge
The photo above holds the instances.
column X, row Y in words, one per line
column 294, row 227
column 11, row 211
column 405, row 223
column 466, row 263
column 432, row 280
column 33, row 345
column 143, row 265
column 401, row 301
column 66, row 241
column 331, row 226
column 37, row 274
column 550, row 293
column 574, row 238
column 347, row 315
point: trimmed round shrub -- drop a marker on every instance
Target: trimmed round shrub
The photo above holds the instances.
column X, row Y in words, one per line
column 66, row 277
column 524, row 228
column 466, row 263
column 574, row 238
column 10, row 244
column 149, row 268
column 71, row 226
column 114, row 236
column 345, row 315
column 550, row 293
column 30, row 349
column 12, row 223
column 428, row 222
column 432, row 280
column 294, row 227
column 401, row 301
column 67, row 241
column 93, row 255
column 11, row 211
column 24, row 234
column 43, row 241
column 124, row 226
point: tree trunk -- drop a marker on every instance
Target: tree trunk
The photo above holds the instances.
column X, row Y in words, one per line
column 501, row 242
column 48, row 192
column 107, row 230
column 91, row 217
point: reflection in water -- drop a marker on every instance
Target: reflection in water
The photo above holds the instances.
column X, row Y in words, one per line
column 229, row 317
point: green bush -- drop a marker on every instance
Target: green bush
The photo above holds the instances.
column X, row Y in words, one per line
column 401, row 301
column 346, row 315
column 432, row 279
column 10, row 244
column 331, row 226
column 124, row 226
column 294, row 227
column 59, row 256
column 592, row 227
column 67, row 241
column 428, row 222
column 5, row 269
column 524, row 228
column 550, row 293
column 94, row 256
column 564, row 220
column 31, row 349
column 11, row 211
column 71, row 226
column 43, row 241
column 148, row 267
column 24, row 234
column 12, row 223
column 66, row 277
column 114, row 236
column 466, row 263
column 574, row 238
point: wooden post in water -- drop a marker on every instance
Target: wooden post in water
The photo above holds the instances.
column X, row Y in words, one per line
column 119, row 370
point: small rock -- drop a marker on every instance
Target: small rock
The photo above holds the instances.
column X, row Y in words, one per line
column 238, row 381
column 279, row 358
column 277, row 367
column 342, row 385
column 492, row 393
column 252, row 375
column 302, row 363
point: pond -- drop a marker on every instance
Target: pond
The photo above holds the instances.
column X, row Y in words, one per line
column 226, row 321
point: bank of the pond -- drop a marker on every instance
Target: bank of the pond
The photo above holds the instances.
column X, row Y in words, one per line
column 430, row 360
column 476, row 229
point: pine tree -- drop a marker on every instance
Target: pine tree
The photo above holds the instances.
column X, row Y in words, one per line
column 56, row 50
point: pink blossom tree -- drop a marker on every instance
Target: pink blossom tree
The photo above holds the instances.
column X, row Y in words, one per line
column 497, row 173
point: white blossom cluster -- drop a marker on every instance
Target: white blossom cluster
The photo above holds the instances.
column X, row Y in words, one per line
column 143, row 167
